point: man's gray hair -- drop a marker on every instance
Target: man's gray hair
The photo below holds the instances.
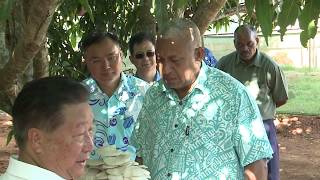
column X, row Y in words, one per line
column 181, row 28
column 247, row 28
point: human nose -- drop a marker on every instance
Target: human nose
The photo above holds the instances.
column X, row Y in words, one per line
column 244, row 48
column 106, row 63
column 88, row 143
column 165, row 68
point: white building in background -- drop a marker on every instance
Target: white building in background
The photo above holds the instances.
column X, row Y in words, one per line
column 287, row 52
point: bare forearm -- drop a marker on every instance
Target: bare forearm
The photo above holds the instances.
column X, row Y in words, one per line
column 280, row 103
column 256, row 171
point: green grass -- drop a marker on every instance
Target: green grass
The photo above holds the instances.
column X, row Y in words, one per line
column 304, row 91
column 288, row 68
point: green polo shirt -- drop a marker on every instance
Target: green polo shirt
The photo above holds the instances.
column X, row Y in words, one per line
column 263, row 78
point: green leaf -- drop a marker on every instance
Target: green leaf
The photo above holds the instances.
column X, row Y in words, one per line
column 264, row 12
column 179, row 4
column 250, row 6
column 304, row 38
column 10, row 136
column 308, row 21
column 310, row 12
column 288, row 15
column 65, row 64
column 5, row 9
column 312, row 29
column 87, row 7
column 73, row 39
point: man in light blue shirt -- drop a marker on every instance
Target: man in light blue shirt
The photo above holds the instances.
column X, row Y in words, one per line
column 115, row 98
column 143, row 57
column 198, row 122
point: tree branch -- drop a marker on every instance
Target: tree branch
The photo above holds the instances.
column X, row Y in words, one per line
column 146, row 21
column 206, row 13
column 230, row 12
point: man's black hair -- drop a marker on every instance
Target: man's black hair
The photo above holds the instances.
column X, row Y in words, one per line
column 40, row 104
column 97, row 37
column 139, row 38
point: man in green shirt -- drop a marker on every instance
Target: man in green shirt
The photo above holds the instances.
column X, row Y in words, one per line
column 198, row 122
column 264, row 80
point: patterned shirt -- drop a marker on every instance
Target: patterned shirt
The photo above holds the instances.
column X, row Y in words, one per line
column 212, row 133
column 209, row 59
column 114, row 116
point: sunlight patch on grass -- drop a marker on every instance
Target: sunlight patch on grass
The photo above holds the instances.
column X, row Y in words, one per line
column 304, row 92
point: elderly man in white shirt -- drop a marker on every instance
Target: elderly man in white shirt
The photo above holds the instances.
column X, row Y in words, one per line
column 52, row 124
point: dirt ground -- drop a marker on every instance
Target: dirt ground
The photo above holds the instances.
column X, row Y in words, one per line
column 299, row 141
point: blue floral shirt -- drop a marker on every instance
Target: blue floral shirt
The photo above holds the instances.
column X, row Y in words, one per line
column 115, row 116
column 209, row 58
column 212, row 133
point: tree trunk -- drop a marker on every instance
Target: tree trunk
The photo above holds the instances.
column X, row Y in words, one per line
column 37, row 17
column 41, row 64
column 4, row 54
column 206, row 13
column 146, row 21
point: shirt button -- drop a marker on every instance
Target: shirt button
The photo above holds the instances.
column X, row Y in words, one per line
column 169, row 174
column 171, row 150
column 176, row 125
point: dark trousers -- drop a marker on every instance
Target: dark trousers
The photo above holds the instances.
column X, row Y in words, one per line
column 273, row 164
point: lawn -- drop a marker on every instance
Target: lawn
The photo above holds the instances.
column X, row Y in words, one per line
column 304, row 91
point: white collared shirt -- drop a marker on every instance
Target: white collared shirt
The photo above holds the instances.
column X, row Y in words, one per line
column 18, row 170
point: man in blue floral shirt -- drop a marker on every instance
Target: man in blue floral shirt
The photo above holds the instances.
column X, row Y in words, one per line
column 115, row 98
column 143, row 57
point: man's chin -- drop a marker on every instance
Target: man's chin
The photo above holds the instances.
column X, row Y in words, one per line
column 246, row 58
column 75, row 174
column 171, row 83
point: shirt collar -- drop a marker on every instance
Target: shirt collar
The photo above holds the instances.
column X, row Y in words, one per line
column 200, row 83
column 256, row 60
column 28, row 171
column 123, row 85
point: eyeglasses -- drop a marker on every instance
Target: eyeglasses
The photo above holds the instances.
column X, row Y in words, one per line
column 142, row 55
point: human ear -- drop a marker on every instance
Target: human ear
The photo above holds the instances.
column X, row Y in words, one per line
column 199, row 54
column 257, row 40
column 35, row 138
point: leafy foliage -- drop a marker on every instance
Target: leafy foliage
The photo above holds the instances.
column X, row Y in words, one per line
column 250, row 6
column 308, row 20
column 264, row 11
column 288, row 15
column 5, row 9
column 76, row 18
